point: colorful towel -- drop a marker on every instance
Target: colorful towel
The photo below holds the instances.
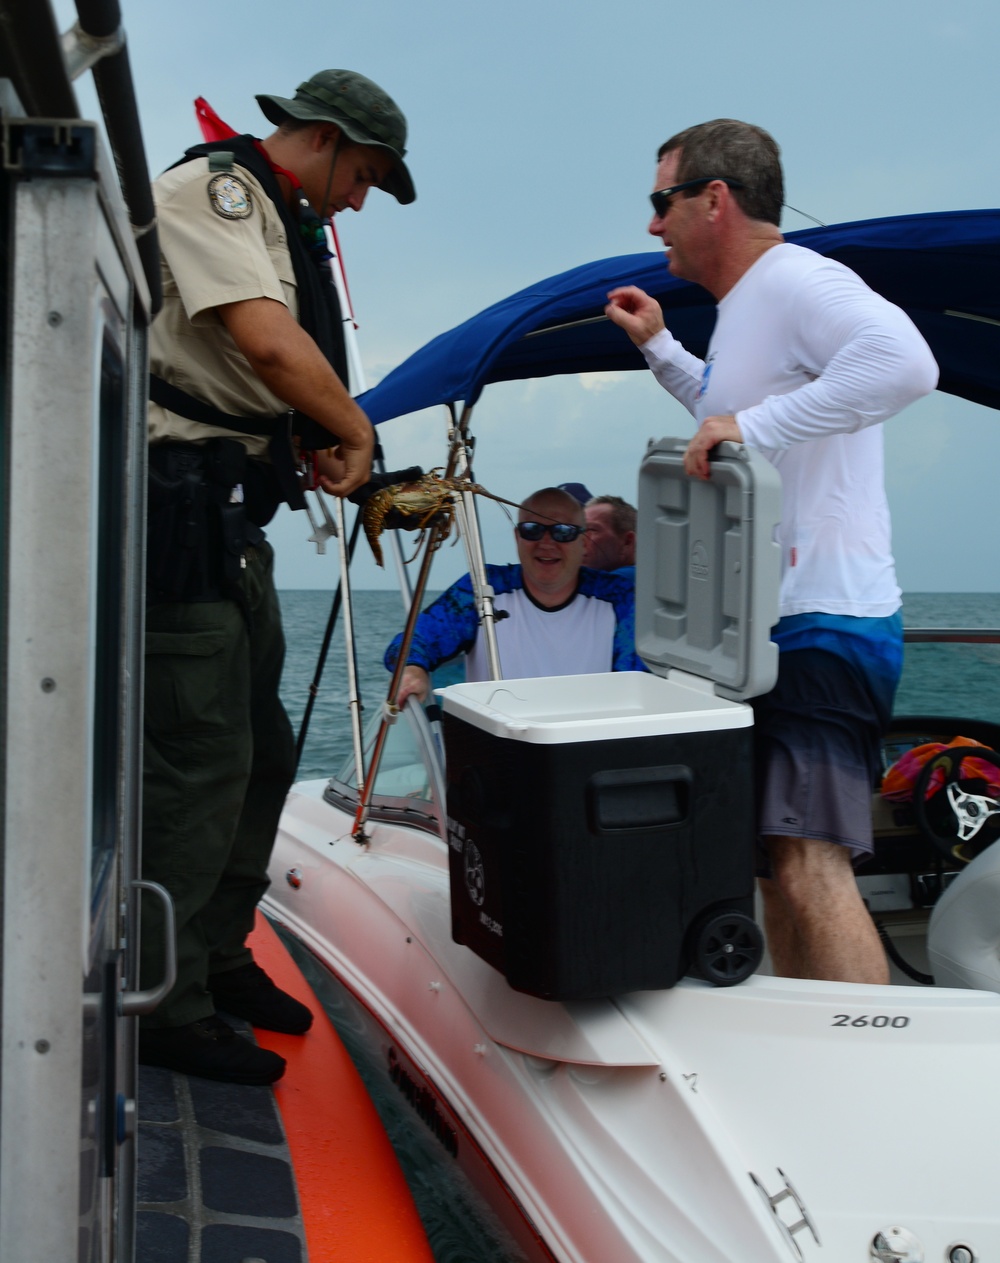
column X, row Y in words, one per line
column 901, row 779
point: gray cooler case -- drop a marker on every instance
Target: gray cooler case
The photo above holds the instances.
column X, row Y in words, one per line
column 601, row 826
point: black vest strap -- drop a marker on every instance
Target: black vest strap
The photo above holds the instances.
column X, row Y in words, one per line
column 184, row 405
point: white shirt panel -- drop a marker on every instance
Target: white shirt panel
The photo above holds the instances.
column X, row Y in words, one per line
column 577, row 639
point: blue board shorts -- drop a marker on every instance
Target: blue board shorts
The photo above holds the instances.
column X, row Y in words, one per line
column 817, row 753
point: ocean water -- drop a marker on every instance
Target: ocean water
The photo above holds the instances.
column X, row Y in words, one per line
column 378, row 616
column 949, row 680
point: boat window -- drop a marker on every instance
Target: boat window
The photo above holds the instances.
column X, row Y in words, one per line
column 410, row 776
column 108, row 666
column 401, row 772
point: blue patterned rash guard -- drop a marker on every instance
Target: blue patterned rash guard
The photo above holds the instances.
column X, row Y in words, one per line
column 873, row 646
column 593, row 631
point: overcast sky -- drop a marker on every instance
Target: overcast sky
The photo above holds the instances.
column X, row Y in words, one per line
column 533, row 131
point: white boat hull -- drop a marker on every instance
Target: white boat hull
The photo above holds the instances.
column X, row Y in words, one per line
column 645, row 1128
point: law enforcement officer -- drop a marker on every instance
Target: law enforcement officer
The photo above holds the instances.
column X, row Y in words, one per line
column 248, row 372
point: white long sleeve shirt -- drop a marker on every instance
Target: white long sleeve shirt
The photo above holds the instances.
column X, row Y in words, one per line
column 810, row 361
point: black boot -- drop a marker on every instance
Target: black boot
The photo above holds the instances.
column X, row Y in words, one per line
column 210, row 1049
column 249, row 993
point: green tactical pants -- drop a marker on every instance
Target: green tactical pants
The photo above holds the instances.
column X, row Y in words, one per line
column 218, row 760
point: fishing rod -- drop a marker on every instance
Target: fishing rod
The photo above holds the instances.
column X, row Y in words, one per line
column 436, row 535
column 342, row 594
column 342, row 597
column 324, row 648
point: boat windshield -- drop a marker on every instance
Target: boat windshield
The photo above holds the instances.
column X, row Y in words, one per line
column 410, row 776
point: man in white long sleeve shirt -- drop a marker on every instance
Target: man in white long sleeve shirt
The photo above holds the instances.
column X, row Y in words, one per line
column 804, row 364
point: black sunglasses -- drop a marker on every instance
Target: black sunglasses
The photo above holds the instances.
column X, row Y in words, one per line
column 661, row 198
column 561, row 532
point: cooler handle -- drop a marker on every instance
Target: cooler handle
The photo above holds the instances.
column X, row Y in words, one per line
column 630, row 800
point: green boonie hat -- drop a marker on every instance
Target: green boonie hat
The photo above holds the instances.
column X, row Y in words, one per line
column 362, row 111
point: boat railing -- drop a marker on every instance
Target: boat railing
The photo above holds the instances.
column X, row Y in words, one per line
column 41, row 67
column 951, row 636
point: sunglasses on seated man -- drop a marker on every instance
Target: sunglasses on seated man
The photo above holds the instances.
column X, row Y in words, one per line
column 561, row 532
column 661, row 198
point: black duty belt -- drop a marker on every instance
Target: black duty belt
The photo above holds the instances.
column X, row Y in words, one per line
column 277, row 429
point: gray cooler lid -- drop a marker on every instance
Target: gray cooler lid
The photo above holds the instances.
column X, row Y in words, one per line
column 708, row 569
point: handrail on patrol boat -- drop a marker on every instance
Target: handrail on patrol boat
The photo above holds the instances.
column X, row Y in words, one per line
column 41, row 68
column 98, row 40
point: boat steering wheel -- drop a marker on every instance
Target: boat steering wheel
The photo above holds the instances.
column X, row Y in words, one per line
column 952, row 827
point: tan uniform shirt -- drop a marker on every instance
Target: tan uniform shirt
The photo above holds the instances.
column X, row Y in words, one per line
column 222, row 241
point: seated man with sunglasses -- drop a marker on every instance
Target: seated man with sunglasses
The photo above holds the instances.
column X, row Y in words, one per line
column 554, row 615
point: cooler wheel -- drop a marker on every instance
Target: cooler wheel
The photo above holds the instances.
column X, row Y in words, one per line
column 726, row 948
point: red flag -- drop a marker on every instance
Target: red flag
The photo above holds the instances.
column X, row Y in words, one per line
column 212, row 127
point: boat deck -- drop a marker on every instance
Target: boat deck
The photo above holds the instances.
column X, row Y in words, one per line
column 299, row 1171
column 215, row 1179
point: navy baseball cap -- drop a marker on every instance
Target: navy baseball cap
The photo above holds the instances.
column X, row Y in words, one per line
column 577, row 490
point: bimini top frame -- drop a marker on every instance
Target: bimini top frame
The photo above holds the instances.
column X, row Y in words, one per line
column 943, row 269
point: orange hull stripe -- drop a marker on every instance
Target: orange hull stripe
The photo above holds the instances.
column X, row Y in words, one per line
column 356, row 1204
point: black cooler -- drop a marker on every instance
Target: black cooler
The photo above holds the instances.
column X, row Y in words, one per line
column 601, row 827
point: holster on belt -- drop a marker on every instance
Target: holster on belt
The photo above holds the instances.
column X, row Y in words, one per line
column 197, row 527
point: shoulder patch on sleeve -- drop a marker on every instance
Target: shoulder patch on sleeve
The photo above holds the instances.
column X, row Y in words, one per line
column 229, row 197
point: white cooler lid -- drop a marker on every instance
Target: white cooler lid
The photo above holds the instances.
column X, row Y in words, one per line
column 708, row 569
column 560, row 709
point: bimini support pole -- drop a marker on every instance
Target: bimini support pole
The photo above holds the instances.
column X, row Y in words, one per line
column 353, row 691
column 437, row 533
column 358, row 382
column 467, row 513
column 460, row 444
column 482, row 589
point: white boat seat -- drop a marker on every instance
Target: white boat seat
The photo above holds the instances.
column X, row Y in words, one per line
column 963, row 938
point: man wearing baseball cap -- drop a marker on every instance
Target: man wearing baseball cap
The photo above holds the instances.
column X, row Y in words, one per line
column 248, row 371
